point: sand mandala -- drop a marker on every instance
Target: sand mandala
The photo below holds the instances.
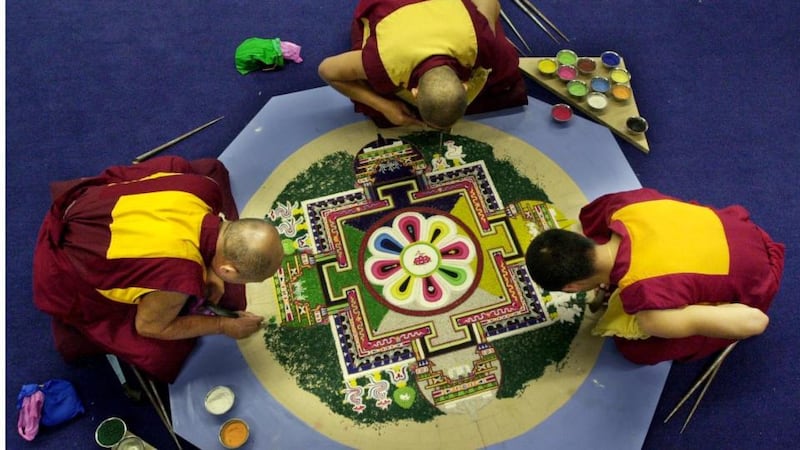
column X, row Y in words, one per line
column 403, row 305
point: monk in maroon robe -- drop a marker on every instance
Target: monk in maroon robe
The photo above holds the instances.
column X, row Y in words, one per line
column 415, row 62
column 123, row 257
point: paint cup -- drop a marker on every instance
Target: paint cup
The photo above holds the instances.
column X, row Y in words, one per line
column 610, row 59
column 586, row 66
column 110, row 432
column 577, row 88
column 600, row 84
column 619, row 75
column 566, row 57
column 636, row 125
column 234, row 433
column 597, row 101
column 219, row 400
column 567, row 73
column 547, row 66
column 130, row 443
column 621, row 93
column 561, row 112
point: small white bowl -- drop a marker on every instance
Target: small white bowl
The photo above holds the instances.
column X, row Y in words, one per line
column 219, row 400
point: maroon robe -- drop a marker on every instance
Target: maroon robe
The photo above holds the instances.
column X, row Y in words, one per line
column 505, row 87
column 69, row 267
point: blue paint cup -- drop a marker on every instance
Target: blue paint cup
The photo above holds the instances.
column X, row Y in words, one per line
column 610, row 59
column 600, row 84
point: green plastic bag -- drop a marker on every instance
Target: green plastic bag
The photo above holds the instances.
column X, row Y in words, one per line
column 259, row 54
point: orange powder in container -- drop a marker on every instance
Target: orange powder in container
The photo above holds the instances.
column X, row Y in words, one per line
column 621, row 92
column 234, row 433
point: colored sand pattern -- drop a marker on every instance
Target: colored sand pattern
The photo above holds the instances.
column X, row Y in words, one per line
column 110, row 432
column 234, row 434
column 309, row 353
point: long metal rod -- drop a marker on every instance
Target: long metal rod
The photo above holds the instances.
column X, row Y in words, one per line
column 148, row 154
column 516, row 32
column 709, row 375
column 511, row 43
column 700, row 397
column 537, row 21
column 540, row 14
column 157, row 404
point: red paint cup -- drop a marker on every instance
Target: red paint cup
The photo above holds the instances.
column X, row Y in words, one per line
column 561, row 112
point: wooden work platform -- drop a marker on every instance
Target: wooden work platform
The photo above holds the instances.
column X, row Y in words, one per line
column 613, row 116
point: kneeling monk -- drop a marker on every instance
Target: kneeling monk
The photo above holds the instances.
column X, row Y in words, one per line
column 124, row 257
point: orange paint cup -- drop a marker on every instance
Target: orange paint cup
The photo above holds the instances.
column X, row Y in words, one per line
column 234, row 433
column 621, row 92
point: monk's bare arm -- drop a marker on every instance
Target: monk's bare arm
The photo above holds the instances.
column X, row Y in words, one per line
column 490, row 9
column 157, row 317
column 345, row 73
column 727, row 321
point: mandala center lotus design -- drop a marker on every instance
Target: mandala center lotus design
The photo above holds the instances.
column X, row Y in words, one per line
column 420, row 263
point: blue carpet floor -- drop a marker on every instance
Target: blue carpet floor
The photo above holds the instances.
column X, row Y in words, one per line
column 94, row 83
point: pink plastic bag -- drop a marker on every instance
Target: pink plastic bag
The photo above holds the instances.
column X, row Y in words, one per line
column 29, row 415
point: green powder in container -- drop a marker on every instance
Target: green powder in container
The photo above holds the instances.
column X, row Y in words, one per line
column 577, row 88
column 110, row 432
column 566, row 57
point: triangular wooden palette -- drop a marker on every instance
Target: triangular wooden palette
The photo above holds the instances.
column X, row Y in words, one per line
column 614, row 116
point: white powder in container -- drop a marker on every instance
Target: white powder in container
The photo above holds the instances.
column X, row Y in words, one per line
column 219, row 400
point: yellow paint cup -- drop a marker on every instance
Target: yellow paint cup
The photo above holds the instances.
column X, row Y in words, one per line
column 619, row 75
column 547, row 67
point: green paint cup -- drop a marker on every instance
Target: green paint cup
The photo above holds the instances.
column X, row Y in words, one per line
column 566, row 57
column 577, row 88
column 110, row 432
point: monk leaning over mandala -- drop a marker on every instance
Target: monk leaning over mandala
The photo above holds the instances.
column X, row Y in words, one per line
column 686, row 280
column 415, row 62
column 126, row 260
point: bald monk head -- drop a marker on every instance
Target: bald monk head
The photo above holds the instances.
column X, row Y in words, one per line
column 441, row 97
column 248, row 251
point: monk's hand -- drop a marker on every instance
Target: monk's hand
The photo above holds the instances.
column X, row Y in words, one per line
column 600, row 298
column 398, row 112
column 243, row 326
